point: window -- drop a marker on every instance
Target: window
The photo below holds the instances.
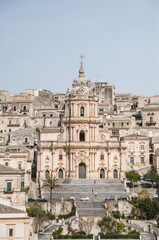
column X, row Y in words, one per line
column 122, row 124
column 19, row 166
column 142, row 160
column 59, row 123
column 14, row 108
column 24, row 108
column 82, row 111
column 115, row 133
column 13, row 139
column 22, row 184
column 17, row 121
column 50, row 122
column 44, row 115
column 102, row 157
column 6, row 164
column 9, row 186
column 151, row 119
column 26, row 140
column 132, row 160
column 51, row 115
column 10, row 121
column 127, row 123
column 131, row 147
column 113, row 124
column 47, row 173
column 10, row 232
column 82, row 136
column 142, row 147
column 60, row 157
column 5, row 108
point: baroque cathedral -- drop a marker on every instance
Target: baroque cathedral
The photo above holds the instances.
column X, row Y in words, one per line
column 79, row 147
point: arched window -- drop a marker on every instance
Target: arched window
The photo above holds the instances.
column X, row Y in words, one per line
column 151, row 119
column 60, row 175
column 24, row 108
column 19, row 166
column 115, row 174
column 47, row 173
column 14, row 108
column 82, row 136
column 60, row 157
column 102, row 157
column 82, row 111
column 102, row 173
column 59, row 123
column 26, row 139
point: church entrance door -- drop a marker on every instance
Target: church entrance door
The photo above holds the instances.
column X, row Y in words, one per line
column 82, row 170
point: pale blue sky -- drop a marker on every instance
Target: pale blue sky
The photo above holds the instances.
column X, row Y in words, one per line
column 41, row 41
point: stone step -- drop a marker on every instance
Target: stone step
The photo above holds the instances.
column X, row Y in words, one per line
column 91, row 213
column 99, row 205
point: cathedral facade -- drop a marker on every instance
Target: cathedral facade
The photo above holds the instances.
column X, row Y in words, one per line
column 78, row 147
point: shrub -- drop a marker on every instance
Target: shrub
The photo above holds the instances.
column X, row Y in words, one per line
column 72, row 213
column 116, row 214
column 50, row 216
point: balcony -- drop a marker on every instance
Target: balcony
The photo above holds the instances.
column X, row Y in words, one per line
column 8, row 190
column 150, row 123
column 13, row 125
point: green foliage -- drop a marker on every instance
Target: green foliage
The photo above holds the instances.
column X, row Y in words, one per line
column 132, row 176
column 107, row 224
column 36, row 211
column 50, row 216
column 137, row 116
column 120, row 226
column 52, row 183
column 115, row 235
column 145, row 208
column 72, row 213
column 116, row 214
column 152, row 176
column 78, row 235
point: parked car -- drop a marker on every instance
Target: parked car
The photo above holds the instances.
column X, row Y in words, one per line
column 41, row 200
column 110, row 198
column 31, row 200
column 123, row 197
column 71, row 199
column 155, row 196
column 84, row 199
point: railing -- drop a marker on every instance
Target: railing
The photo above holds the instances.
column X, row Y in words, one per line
column 8, row 190
column 13, row 125
column 150, row 123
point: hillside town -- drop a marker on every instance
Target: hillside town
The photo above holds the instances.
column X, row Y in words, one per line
column 87, row 138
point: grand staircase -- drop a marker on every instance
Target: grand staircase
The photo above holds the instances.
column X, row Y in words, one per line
column 90, row 209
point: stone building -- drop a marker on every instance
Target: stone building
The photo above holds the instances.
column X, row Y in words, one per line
column 79, row 148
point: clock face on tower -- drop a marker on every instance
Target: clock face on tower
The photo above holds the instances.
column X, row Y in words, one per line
column 81, row 90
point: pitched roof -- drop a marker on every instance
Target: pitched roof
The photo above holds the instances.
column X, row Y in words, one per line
column 6, row 209
column 8, row 170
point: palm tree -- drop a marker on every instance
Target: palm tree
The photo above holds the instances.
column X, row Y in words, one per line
column 52, row 183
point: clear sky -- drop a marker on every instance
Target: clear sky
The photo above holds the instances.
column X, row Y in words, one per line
column 41, row 41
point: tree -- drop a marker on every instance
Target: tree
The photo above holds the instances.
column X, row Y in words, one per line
column 107, row 225
column 147, row 208
column 39, row 216
column 120, row 226
column 152, row 176
column 132, row 176
column 52, row 183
